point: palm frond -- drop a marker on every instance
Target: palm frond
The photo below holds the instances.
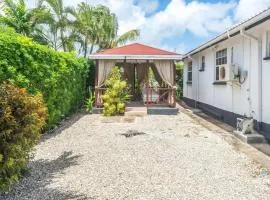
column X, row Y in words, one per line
column 127, row 36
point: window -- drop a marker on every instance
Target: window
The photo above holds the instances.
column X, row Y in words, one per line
column 203, row 63
column 189, row 72
column 221, row 59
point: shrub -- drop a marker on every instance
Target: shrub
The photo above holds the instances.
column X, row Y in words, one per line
column 59, row 76
column 115, row 95
column 89, row 102
column 179, row 80
column 22, row 116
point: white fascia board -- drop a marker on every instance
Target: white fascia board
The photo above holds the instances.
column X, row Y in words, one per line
column 136, row 57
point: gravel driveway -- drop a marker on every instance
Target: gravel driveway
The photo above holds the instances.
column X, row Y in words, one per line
column 168, row 157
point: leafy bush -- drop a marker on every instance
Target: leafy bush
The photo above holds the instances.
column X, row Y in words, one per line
column 179, row 80
column 59, row 76
column 115, row 95
column 22, row 117
column 90, row 102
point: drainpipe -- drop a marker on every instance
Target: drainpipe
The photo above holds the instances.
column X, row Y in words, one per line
column 259, row 41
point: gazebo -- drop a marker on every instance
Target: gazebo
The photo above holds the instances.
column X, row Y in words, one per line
column 137, row 60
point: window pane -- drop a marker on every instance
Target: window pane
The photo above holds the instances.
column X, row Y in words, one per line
column 221, row 57
column 189, row 76
column 217, row 73
column 190, row 66
column 203, row 63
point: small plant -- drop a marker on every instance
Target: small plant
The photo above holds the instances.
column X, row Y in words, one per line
column 89, row 102
column 115, row 95
column 22, row 117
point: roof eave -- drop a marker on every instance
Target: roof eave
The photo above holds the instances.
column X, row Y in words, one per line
column 250, row 23
column 135, row 57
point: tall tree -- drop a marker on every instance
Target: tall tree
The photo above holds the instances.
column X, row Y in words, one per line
column 92, row 26
column 23, row 20
column 97, row 27
column 57, row 21
column 121, row 40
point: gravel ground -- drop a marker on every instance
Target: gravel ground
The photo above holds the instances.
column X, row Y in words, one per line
column 153, row 157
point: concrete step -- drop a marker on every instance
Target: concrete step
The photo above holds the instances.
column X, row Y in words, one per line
column 250, row 138
column 136, row 113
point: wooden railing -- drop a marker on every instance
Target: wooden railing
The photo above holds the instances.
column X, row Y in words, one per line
column 160, row 96
column 151, row 96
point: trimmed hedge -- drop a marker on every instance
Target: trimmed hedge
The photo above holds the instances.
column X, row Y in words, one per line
column 59, row 76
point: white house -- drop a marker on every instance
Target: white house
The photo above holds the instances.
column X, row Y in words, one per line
column 229, row 76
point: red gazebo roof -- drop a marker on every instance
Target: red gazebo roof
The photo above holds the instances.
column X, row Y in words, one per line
column 135, row 49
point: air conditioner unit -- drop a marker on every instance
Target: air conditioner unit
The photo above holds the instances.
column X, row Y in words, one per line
column 223, row 72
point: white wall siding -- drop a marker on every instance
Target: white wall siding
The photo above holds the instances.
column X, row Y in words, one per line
column 266, row 85
column 226, row 97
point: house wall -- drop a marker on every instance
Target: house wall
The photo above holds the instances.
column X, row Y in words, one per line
column 229, row 101
column 265, row 89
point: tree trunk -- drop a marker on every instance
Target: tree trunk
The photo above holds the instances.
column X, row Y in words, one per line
column 91, row 49
column 85, row 47
column 63, row 39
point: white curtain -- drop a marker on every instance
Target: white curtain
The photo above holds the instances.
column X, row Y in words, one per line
column 104, row 69
column 166, row 71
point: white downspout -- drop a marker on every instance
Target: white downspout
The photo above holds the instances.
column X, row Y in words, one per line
column 243, row 33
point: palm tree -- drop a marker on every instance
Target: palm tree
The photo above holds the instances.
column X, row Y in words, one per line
column 111, row 39
column 57, row 21
column 122, row 39
column 92, row 26
column 98, row 27
column 22, row 20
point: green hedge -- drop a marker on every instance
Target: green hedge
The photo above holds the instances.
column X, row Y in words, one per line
column 60, row 77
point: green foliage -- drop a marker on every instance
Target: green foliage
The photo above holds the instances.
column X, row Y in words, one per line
column 179, row 80
column 23, row 20
column 22, row 117
column 179, row 65
column 115, row 95
column 90, row 102
column 59, row 76
column 82, row 28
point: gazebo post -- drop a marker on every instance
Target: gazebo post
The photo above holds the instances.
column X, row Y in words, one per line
column 147, row 83
column 96, row 84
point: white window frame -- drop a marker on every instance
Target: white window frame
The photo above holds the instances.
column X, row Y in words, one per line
column 221, row 58
column 189, row 71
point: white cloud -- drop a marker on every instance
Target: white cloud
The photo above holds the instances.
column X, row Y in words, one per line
column 247, row 8
column 199, row 18
column 149, row 6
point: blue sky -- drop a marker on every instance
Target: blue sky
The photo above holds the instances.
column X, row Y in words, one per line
column 178, row 25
